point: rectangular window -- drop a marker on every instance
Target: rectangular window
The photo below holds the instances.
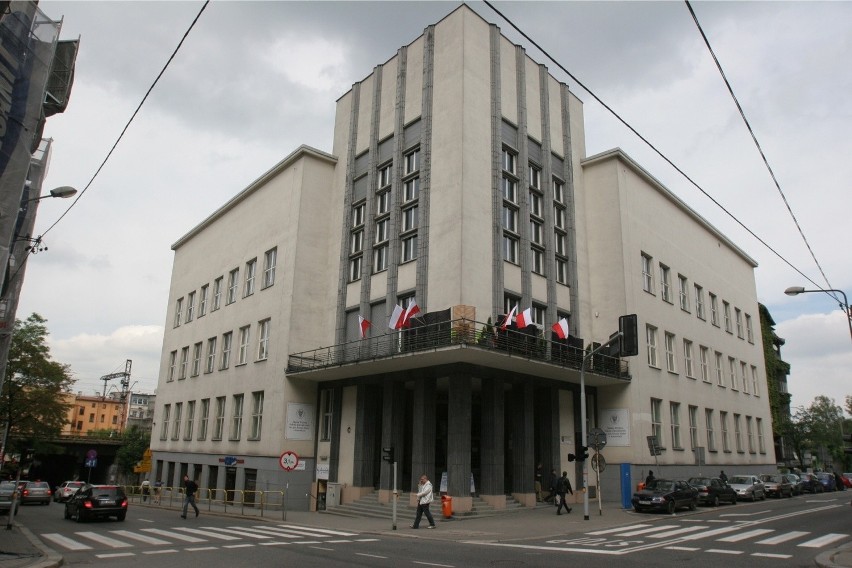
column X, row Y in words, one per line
column 256, row 415
column 410, row 189
column 749, row 330
column 726, row 308
column 535, row 204
column 714, row 310
column 535, row 177
column 755, row 384
column 647, row 274
column 211, row 355
column 233, row 283
column 509, row 160
column 172, row 363
column 217, row 294
column 383, row 202
column 683, row 292
column 190, row 307
column 227, row 340
column 720, row 378
column 537, row 260
column 665, row 283
column 358, row 214
column 536, row 232
column 408, row 249
column 510, row 249
column 687, row 359
column 202, row 419
column 184, row 357
column 699, row 302
column 671, row 362
column 164, row 429
column 178, row 311
column 750, row 434
column 559, row 217
column 704, row 354
column 738, row 433
column 558, row 191
column 242, row 359
column 510, row 190
column 380, row 259
column 723, row 421
column 382, row 231
column 510, row 218
column 384, row 177
column 561, row 270
column 744, row 376
column 326, row 408
column 693, row 427
column 738, row 317
column 202, row 301
column 270, row 259
column 732, row 373
column 711, row 434
column 657, row 420
column 263, row 340
column 674, row 408
column 561, row 243
column 412, row 162
column 236, row 418
column 409, row 219
column 219, row 424
column 178, row 411
column 651, row 338
column 355, row 269
column 761, row 445
column 190, row 420
column 251, row 268
column 356, row 242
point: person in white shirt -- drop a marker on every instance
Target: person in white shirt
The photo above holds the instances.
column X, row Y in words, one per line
column 424, row 498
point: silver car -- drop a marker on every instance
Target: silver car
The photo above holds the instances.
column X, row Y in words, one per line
column 7, row 493
column 748, row 487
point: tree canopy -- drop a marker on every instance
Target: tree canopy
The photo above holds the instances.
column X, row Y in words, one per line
column 31, row 402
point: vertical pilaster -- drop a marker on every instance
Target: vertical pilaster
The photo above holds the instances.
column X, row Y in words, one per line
column 492, row 443
column 459, row 399
column 367, row 408
column 423, row 431
column 334, row 450
column 393, row 432
column 523, row 447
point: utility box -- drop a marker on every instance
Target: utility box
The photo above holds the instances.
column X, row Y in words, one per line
column 332, row 494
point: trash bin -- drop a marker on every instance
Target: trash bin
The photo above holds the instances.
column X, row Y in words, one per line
column 447, row 506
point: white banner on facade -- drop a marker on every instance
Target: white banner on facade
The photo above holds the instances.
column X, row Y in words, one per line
column 616, row 423
column 300, row 421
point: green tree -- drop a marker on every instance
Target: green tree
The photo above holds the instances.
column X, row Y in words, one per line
column 31, row 403
column 797, row 431
column 136, row 441
column 826, row 425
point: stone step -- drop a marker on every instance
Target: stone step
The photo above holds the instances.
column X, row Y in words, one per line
column 369, row 507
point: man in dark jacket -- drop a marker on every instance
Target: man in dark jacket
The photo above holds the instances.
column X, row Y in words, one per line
column 190, row 487
column 563, row 487
column 554, row 480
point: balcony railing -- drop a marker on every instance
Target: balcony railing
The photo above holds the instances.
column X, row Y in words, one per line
column 529, row 343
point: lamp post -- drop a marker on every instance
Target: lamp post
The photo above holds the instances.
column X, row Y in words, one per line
column 844, row 305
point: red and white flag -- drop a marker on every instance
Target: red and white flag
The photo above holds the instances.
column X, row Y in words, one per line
column 524, row 318
column 412, row 310
column 509, row 317
column 396, row 318
column 560, row 328
column 363, row 324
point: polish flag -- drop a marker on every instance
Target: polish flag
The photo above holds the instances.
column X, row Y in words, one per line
column 363, row 324
column 508, row 321
column 561, row 328
column 412, row 310
column 396, row 317
column 524, row 318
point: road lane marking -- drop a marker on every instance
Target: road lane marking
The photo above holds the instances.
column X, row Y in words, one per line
column 278, row 543
column 115, row 555
column 551, row 548
column 66, row 542
column 102, row 539
column 174, row 536
column 684, row 548
column 315, row 530
column 321, row 548
column 237, row 531
column 720, row 551
column 370, row 555
column 608, row 531
column 244, row 545
column 140, row 537
column 200, row 548
column 768, row 555
column 434, row 564
column 644, row 531
column 206, row 533
column 783, row 537
column 745, row 535
column 823, row 540
column 677, row 532
column 161, row 551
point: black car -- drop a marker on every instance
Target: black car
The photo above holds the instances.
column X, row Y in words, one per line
column 712, row 491
column 97, row 501
column 811, row 484
column 665, row 495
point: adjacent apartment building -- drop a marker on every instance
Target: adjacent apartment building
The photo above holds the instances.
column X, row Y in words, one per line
column 458, row 183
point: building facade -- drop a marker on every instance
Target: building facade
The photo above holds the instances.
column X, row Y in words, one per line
column 458, row 183
column 90, row 414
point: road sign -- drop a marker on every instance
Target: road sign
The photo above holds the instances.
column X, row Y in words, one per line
column 91, row 454
column 597, row 438
column 288, row 460
column 92, row 462
column 598, row 463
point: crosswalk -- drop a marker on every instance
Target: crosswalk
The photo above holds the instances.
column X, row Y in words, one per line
column 194, row 539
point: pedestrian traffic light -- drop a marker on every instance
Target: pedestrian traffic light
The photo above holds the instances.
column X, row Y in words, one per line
column 629, row 339
column 387, row 454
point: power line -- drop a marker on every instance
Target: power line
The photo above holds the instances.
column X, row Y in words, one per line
column 647, row 142
column 756, row 143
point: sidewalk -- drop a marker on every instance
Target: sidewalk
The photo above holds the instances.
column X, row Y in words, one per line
column 19, row 548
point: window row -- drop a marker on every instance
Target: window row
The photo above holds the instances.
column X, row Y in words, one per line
column 197, row 304
column 742, row 321
column 700, row 362
column 176, row 425
column 714, row 431
column 192, row 364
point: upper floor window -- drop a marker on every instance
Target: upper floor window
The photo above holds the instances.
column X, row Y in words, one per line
column 384, row 176
column 219, row 424
column 657, row 420
column 190, row 307
column 647, row 273
column 172, row 362
column 509, row 161
column 211, row 355
column 236, row 418
column 683, row 292
column 408, row 250
column 699, row 301
column 270, row 259
column 196, row 359
column 412, row 162
column 217, row 294
column 738, row 317
column 263, row 339
column 714, row 310
column 671, row 364
column 535, row 204
column 358, row 214
column 558, row 191
column 411, row 189
column 256, row 415
column 651, row 340
column 726, row 307
column 383, row 202
column 233, row 282
column 227, row 339
column 178, row 311
column 749, row 330
column 202, row 301
column 535, row 177
column 665, row 283
column 251, row 268
column 409, row 219
column 242, row 357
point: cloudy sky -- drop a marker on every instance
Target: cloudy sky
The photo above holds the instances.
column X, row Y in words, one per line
column 253, row 81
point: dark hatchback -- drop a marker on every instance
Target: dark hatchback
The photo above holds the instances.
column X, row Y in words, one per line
column 665, row 495
column 712, row 491
column 97, row 501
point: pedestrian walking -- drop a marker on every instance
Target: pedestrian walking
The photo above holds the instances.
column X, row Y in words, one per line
column 537, row 480
column 554, row 480
column 562, row 489
column 723, row 477
column 146, row 490
column 424, row 498
column 190, row 487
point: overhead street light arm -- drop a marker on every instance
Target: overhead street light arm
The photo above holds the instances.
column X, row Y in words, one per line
column 844, row 305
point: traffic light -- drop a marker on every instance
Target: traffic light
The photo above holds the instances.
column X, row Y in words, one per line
column 581, row 452
column 571, row 457
column 584, row 453
column 629, row 340
column 387, row 454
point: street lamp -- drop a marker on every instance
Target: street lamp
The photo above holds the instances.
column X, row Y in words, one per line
column 844, row 305
column 64, row 191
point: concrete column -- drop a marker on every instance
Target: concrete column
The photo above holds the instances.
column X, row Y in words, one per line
column 523, row 447
column 423, row 433
column 492, row 440
column 393, row 432
column 368, row 407
column 334, row 453
column 458, row 443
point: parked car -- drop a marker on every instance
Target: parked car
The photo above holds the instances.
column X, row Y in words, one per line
column 776, row 485
column 747, row 487
column 827, row 480
column 847, row 479
column 66, row 490
column 811, row 484
column 796, row 482
column 36, row 492
column 666, row 495
column 94, row 501
column 7, row 494
column 712, row 491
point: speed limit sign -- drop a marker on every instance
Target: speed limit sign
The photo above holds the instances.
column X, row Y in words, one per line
column 288, row 460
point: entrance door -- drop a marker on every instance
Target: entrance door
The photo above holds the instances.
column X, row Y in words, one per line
column 230, row 483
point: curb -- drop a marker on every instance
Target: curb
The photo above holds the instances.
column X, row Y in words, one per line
column 837, row 558
column 49, row 557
